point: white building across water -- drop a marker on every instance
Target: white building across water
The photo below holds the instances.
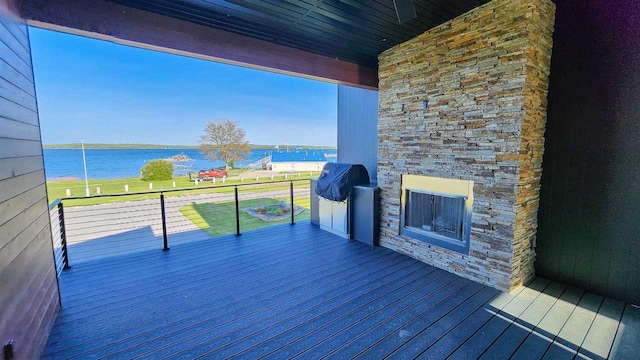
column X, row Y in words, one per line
column 301, row 159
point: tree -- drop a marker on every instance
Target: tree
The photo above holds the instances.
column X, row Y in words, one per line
column 157, row 170
column 224, row 140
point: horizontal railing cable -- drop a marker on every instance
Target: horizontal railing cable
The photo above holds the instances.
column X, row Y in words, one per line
column 230, row 186
column 173, row 216
column 58, row 235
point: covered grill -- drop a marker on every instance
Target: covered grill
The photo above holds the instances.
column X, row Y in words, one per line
column 338, row 179
column 337, row 191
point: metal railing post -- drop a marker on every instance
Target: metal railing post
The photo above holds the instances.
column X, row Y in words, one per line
column 63, row 237
column 164, row 224
column 293, row 212
column 237, row 212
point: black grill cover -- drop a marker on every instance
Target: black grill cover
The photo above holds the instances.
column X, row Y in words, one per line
column 337, row 180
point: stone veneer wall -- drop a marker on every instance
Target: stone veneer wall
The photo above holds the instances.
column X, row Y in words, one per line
column 538, row 64
column 484, row 75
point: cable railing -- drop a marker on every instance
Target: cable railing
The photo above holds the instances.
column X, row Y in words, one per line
column 58, row 235
column 124, row 223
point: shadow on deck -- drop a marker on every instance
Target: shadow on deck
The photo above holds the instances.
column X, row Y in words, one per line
column 299, row 292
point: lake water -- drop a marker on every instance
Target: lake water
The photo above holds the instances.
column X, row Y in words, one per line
column 121, row 163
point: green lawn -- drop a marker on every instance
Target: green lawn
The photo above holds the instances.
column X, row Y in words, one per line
column 57, row 189
column 218, row 219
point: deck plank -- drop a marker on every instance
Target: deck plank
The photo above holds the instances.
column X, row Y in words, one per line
column 224, row 272
column 299, row 292
column 323, row 340
column 226, row 307
column 272, row 274
column 486, row 335
column 364, row 340
column 538, row 341
column 627, row 342
column 458, row 335
column 189, row 309
column 427, row 336
column 515, row 334
column 239, row 335
column 352, row 310
column 599, row 340
column 427, row 320
column 566, row 344
column 311, row 334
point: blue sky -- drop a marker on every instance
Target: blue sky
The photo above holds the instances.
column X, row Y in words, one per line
column 110, row 93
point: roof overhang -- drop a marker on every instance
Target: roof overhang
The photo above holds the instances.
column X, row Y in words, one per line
column 125, row 25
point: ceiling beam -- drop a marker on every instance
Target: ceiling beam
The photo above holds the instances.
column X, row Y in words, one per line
column 105, row 20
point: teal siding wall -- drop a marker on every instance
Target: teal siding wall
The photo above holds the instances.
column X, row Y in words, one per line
column 358, row 127
column 589, row 217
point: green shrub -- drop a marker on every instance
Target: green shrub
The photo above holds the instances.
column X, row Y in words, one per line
column 277, row 212
column 157, row 170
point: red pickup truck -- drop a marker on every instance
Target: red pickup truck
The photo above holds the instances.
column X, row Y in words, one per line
column 213, row 173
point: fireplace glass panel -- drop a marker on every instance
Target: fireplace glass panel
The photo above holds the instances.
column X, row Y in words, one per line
column 435, row 214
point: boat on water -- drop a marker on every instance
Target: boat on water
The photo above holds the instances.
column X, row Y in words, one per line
column 179, row 158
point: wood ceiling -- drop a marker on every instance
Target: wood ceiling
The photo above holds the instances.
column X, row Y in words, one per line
column 351, row 30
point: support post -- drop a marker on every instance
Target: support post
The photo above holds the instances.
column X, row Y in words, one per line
column 63, row 237
column 165, row 246
column 237, row 211
column 293, row 215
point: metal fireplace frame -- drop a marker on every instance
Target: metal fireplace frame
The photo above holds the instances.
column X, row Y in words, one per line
column 453, row 188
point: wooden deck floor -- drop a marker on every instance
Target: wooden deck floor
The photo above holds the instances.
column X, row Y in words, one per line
column 299, row 292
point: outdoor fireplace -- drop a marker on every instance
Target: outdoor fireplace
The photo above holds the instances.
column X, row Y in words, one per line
column 437, row 211
column 467, row 100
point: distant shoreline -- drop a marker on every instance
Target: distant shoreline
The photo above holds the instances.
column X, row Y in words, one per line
column 125, row 162
column 154, row 146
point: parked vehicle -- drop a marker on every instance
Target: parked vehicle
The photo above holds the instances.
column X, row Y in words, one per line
column 213, row 173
